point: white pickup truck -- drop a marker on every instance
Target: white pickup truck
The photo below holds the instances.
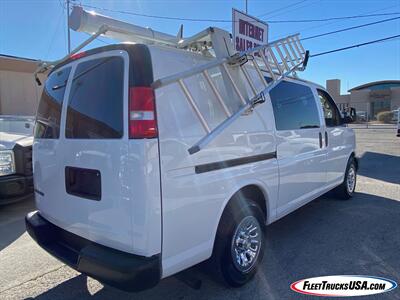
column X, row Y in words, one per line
column 16, row 139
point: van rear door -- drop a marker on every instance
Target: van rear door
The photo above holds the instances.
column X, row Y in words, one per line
column 81, row 151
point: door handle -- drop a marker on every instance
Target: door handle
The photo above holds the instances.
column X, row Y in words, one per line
column 320, row 140
column 326, row 139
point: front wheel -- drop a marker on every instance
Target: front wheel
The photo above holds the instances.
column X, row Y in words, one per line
column 346, row 189
column 239, row 245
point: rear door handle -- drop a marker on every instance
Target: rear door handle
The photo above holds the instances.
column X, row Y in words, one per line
column 320, row 140
column 326, row 139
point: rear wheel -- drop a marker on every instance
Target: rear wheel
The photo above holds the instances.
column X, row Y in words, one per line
column 346, row 189
column 239, row 245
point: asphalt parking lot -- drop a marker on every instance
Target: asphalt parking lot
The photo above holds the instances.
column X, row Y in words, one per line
column 326, row 237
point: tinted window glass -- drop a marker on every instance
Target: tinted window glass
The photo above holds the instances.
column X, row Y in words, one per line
column 49, row 111
column 294, row 107
column 331, row 113
column 95, row 107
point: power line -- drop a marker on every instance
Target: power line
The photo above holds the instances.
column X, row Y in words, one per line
column 99, row 39
column 281, row 8
column 335, row 18
column 54, row 34
column 290, row 10
column 349, row 28
column 103, row 41
column 357, row 45
column 230, row 21
column 365, row 13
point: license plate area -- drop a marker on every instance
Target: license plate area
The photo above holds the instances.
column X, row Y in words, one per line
column 83, row 183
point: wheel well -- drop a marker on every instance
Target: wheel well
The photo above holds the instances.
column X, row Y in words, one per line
column 353, row 155
column 254, row 193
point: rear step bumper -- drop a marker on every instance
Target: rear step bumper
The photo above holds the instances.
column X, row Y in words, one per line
column 119, row 269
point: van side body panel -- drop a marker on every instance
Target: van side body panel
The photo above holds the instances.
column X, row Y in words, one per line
column 193, row 202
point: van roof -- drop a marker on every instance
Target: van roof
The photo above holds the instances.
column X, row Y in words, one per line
column 91, row 52
column 308, row 82
column 133, row 50
column 140, row 58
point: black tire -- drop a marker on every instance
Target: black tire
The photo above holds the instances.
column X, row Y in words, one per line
column 344, row 191
column 238, row 212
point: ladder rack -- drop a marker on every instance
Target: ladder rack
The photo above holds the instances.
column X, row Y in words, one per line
column 280, row 58
column 275, row 60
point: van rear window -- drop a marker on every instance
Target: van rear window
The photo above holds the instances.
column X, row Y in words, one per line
column 95, row 107
column 49, row 111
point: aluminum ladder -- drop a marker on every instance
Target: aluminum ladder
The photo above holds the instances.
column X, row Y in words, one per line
column 277, row 60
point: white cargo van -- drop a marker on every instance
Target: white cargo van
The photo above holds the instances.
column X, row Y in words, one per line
column 121, row 199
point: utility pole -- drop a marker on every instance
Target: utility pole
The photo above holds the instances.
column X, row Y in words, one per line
column 246, row 6
column 68, row 33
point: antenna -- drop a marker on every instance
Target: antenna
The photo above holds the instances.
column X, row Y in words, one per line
column 179, row 36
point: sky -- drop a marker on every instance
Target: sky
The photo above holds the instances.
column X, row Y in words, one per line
column 37, row 29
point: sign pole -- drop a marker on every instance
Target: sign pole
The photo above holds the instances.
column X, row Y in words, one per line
column 68, row 32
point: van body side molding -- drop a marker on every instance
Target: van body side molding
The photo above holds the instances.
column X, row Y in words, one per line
column 233, row 162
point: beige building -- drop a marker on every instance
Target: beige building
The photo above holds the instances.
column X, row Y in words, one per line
column 19, row 93
column 369, row 99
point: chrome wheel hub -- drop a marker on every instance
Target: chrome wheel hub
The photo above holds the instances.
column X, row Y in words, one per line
column 246, row 244
column 351, row 179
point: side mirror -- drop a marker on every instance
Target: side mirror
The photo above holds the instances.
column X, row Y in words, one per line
column 349, row 116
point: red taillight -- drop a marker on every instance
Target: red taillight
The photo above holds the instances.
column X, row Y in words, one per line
column 142, row 113
column 78, row 55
